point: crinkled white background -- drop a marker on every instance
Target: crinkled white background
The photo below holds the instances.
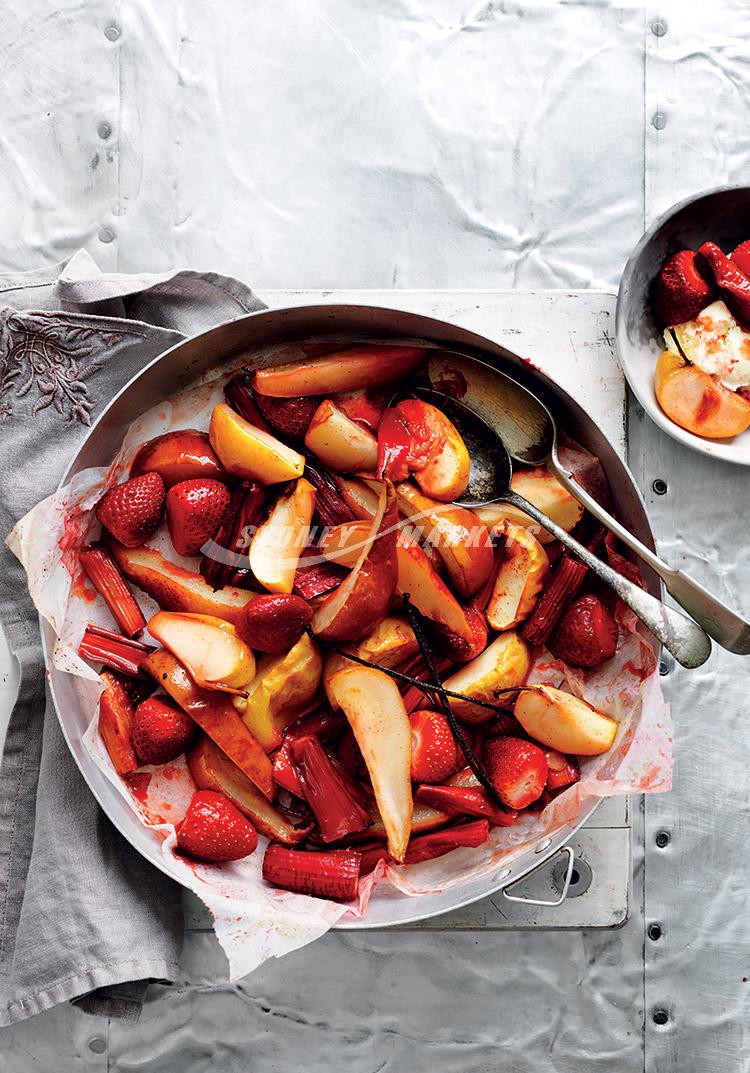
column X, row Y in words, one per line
column 434, row 144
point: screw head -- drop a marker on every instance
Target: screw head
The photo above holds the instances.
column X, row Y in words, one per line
column 659, row 121
column 106, row 234
column 663, row 838
column 660, row 1017
column 658, row 27
column 112, row 32
column 659, row 486
column 97, row 1045
column 654, row 932
column 104, row 130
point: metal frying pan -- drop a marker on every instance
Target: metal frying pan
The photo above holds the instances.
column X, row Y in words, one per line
column 225, row 347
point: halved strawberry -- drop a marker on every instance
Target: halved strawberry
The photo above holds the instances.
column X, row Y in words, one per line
column 517, row 770
column 160, row 731
column 434, row 753
column 586, row 635
column 195, row 511
column 741, row 256
column 132, row 511
column 682, row 289
column 215, row 830
column 288, row 417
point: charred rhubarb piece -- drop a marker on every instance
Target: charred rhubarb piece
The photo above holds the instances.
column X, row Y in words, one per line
column 316, row 578
column 336, row 811
column 323, row 724
column 436, row 843
column 240, row 396
column 246, row 511
column 116, row 715
column 104, row 574
column 285, row 772
column 329, row 502
column 113, row 650
column 465, row 801
column 562, row 589
column 333, row 874
column 562, row 770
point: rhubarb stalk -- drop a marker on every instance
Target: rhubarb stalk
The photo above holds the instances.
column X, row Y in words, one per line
column 104, row 574
column 325, row 791
column 111, row 649
column 331, row 874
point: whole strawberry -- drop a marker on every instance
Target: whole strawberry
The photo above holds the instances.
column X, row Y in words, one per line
column 586, row 636
column 195, row 511
column 434, row 753
column 160, row 731
column 517, row 770
column 132, row 511
column 214, row 830
column 288, row 417
column 681, row 289
column 274, row 622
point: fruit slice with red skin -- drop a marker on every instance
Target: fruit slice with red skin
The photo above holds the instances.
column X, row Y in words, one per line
column 459, row 649
column 116, row 715
column 340, row 443
column 564, row 722
column 394, row 446
column 249, row 452
column 586, row 635
column 465, row 801
column 438, row 456
column 376, row 713
column 462, row 540
column 195, row 511
column 215, row 830
column 336, row 811
column 215, row 715
column 427, row 590
column 277, row 545
column 434, row 753
column 274, row 622
column 517, row 770
column 682, row 288
column 563, row 770
column 182, row 455
column 131, row 511
column 161, row 732
column 175, row 589
column 524, row 569
column 104, row 574
column 213, row 770
column 289, row 418
column 391, row 644
column 363, row 598
column 502, row 667
column 360, row 498
column 209, row 647
column 330, row 874
column 696, row 402
column 355, row 367
column 741, row 257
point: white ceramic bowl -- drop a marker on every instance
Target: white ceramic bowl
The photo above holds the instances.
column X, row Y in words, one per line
column 721, row 216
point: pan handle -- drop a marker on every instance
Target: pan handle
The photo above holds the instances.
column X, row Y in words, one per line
column 544, row 901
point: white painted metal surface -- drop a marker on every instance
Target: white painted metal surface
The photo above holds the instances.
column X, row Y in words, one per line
column 434, row 144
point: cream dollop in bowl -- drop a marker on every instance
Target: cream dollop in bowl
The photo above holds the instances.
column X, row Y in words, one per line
column 721, row 216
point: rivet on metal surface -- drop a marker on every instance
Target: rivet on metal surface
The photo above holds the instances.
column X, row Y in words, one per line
column 663, row 838
column 104, row 130
column 659, row 27
column 112, row 32
column 543, row 845
column 659, row 121
column 106, row 234
column 660, row 1016
column 502, row 874
column 659, row 486
column 97, row 1045
column 654, row 932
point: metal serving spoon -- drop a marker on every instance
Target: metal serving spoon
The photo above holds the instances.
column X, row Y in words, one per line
column 529, row 433
column 489, row 482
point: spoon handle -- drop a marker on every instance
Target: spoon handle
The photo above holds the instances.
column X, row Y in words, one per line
column 726, row 627
column 684, row 638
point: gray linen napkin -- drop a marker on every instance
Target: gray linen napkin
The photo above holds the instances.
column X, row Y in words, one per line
column 83, row 916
